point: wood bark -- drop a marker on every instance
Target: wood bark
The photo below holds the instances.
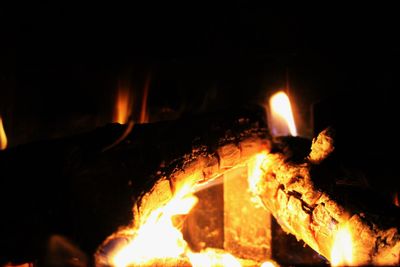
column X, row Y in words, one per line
column 312, row 197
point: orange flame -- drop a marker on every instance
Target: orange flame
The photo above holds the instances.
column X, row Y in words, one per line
column 143, row 111
column 123, row 106
column 281, row 115
column 3, row 137
column 169, row 242
column 342, row 249
column 396, row 199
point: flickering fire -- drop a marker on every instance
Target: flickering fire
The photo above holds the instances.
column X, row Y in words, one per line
column 342, row 249
column 123, row 105
column 158, row 240
column 281, row 118
column 3, row 137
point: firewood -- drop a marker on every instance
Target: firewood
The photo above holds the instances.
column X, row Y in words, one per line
column 85, row 187
column 313, row 197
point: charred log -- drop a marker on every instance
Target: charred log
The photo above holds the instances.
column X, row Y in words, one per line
column 84, row 187
column 314, row 197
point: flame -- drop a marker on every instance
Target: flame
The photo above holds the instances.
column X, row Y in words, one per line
column 144, row 116
column 396, row 199
column 3, row 137
column 123, row 105
column 211, row 257
column 268, row 264
column 342, row 249
column 159, row 226
column 255, row 172
column 281, row 115
column 158, row 239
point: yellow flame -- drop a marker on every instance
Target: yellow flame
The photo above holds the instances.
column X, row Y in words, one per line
column 255, row 172
column 210, row 258
column 158, row 238
column 123, row 105
column 169, row 242
column 342, row 249
column 268, row 264
column 281, row 115
column 3, row 137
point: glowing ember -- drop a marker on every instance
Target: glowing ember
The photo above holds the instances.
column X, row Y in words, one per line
column 3, row 137
column 28, row 264
column 396, row 199
column 342, row 249
column 123, row 105
column 281, row 115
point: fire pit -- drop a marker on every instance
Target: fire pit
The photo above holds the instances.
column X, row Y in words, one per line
column 215, row 189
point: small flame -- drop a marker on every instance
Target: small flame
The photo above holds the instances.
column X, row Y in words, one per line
column 3, row 137
column 396, row 199
column 281, row 115
column 123, row 105
column 342, row 249
column 144, row 116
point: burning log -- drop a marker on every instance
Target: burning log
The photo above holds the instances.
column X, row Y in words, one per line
column 314, row 198
column 84, row 187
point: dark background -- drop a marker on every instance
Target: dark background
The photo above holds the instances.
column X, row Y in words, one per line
column 60, row 64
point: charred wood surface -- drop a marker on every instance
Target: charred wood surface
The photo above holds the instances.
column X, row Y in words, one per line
column 84, row 187
column 312, row 196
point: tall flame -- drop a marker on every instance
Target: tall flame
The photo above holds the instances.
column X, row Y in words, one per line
column 123, row 105
column 3, row 137
column 342, row 249
column 281, row 115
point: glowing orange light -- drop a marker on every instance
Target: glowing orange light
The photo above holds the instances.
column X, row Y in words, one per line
column 255, row 172
column 281, row 115
column 144, row 116
column 396, row 199
column 28, row 264
column 123, row 106
column 342, row 249
column 3, row 137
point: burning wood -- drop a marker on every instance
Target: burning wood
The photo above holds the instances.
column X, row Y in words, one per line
column 86, row 192
column 309, row 202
